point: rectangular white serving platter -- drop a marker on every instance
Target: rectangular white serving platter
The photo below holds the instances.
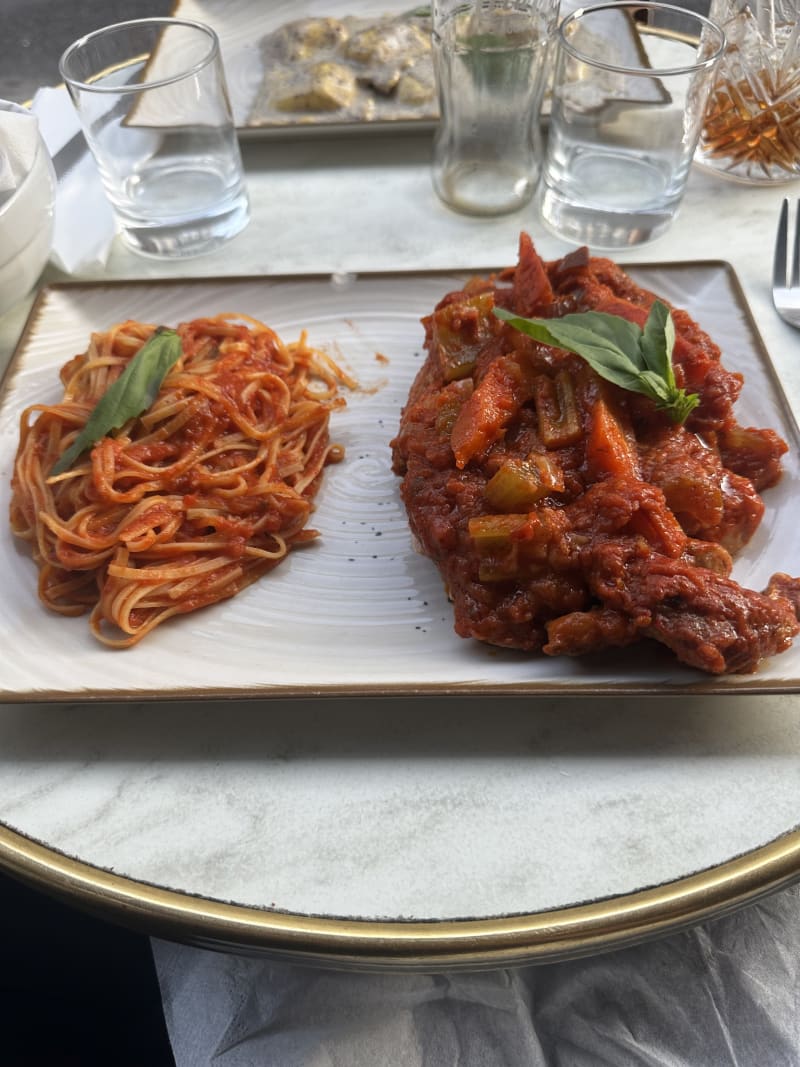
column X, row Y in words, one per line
column 358, row 612
column 241, row 25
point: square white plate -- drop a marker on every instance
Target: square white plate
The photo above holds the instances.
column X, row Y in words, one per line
column 357, row 612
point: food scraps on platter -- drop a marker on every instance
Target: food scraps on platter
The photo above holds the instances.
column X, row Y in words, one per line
column 571, row 462
column 348, row 69
column 568, row 455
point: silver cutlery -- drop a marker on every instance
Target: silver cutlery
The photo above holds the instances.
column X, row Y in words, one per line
column 786, row 269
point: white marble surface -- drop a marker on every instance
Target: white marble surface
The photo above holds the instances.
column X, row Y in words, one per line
column 415, row 808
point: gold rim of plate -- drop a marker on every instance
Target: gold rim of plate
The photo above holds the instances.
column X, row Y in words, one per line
column 562, row 933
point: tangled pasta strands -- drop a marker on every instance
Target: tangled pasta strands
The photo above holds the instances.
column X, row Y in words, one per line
column 193, row 500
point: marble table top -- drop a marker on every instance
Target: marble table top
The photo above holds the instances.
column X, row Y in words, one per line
column 410, row 809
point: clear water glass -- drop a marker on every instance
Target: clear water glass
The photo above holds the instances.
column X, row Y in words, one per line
column 630, row 89
column 154, row 105
column 490, row 60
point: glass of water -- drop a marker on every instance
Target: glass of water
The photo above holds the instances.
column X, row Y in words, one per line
column 490, row 59
column 153, row 103
column 630, row 90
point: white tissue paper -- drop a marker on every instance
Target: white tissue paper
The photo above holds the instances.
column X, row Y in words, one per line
column 723, row 994
column 84, row 221
column 26, row 199
column 18, row 151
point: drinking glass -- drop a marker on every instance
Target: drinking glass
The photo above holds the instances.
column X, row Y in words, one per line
column 630, row 89
column 153, row 103
column 751, row 131
column 490, row 60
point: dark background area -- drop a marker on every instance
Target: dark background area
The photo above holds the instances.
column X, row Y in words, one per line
column 36, row 32
column 74, row 991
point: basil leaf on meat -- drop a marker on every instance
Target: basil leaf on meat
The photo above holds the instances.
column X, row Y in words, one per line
column 636, row 359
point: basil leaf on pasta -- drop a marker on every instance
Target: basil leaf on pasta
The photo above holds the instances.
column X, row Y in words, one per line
column 131, row 394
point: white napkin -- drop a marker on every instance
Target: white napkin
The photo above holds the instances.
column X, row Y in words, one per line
column 26, row 194
column 17, row 151
column 723, row 994
column 84, row 221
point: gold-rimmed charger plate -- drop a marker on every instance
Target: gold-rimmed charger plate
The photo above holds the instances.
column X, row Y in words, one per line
column 391, row 836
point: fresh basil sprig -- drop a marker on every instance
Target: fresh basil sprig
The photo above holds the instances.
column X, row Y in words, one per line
column 131, row 394
column 636, row 359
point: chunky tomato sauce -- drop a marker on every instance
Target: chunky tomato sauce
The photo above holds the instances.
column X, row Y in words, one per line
column 568, row 515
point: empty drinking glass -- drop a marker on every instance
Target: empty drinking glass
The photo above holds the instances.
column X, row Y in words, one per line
column 490, row 59
column 153, row 103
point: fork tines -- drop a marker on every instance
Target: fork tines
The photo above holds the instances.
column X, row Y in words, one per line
column 786, row 268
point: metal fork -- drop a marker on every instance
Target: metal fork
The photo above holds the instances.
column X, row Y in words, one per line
column 785, row 275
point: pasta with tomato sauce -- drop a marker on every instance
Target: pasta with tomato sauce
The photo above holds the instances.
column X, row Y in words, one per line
column 189, row 502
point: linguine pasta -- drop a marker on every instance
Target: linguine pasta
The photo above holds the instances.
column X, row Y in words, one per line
column 193, row 500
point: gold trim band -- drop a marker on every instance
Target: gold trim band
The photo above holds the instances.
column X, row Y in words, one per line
column 413, row 945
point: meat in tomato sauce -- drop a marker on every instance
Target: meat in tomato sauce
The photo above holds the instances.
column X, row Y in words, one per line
column 568, row 515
